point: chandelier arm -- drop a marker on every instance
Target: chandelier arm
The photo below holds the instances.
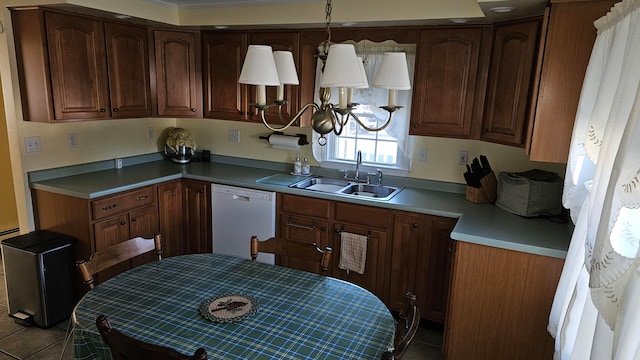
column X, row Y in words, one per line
column 296, row 117
column 334, row 121
column 370, row 128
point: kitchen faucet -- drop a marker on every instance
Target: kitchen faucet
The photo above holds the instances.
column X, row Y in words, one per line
column 358, row 163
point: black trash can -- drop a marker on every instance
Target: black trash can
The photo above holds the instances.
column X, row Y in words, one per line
column 38, row 274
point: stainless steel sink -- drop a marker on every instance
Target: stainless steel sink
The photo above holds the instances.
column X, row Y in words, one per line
column 347, row 188
column 380, row 192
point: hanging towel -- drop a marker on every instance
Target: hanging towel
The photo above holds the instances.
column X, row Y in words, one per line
column 353, row 252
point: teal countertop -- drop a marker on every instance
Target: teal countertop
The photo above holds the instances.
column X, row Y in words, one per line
column 483, row 224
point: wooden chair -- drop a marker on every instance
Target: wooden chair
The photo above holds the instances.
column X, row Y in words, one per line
column 115, row 254
column 124, row 347
column 408, row 323
column 292, row 248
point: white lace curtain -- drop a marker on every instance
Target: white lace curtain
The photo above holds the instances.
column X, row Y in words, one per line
column 596, row 311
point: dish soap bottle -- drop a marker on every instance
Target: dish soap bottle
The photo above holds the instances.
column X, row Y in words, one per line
column 297, row 166
column 305, row 167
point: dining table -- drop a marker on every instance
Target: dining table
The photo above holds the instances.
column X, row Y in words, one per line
column 235, row 308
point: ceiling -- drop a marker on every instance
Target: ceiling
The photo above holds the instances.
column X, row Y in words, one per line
column 521, row 8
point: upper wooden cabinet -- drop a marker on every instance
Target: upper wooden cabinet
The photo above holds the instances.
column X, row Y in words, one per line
column 76, row 68
column 565, row 52
column 512, row 65
column 446, row 75
column 128, row 64
column 178, row 73
column 223, row 55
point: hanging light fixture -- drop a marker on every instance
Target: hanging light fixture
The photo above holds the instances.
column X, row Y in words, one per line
column 341, row 69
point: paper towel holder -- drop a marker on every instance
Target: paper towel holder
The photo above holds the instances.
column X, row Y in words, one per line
column 302, row 138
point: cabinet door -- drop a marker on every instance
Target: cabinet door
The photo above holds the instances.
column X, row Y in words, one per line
column 439, row 272
column 78, row 67
column 197, row 216
column 224, row 97
column 170, row 217
column 287, row 41
column 128, row 60
column 305, row 229
column 512, row 65
column 110, row 232
column 409, row 254
column 178, row 75
column 567, row 48
column 446, row 71
column 374, row 277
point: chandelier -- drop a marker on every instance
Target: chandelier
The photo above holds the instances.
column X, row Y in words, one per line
column 341, row 69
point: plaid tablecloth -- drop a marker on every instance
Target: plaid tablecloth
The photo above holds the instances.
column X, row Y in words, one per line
column 301, row 315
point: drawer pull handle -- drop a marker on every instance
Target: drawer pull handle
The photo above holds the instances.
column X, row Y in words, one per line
column 122, row 222
column 110, row 207
column 142, row 198
column 312, row 227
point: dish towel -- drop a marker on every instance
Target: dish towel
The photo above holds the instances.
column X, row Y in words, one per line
column 353, row 252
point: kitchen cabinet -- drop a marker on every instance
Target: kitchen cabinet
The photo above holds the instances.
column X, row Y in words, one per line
column 500, row 303
column 448, row 82
column 73, row 67
column 223, row 55
column 510, row 75
column 565, row 50
column 171, row 218
column 196, row 197
column 178, row 73
column 421, row 257
column 303, row 219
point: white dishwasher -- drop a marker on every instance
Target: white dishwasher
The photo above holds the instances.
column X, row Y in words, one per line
column 238, row 214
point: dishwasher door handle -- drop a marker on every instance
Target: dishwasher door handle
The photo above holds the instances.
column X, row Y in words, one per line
column 242, row 198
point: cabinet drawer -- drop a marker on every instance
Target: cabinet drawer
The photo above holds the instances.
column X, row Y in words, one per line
column 301, row 205
column 362, row 215
column 119, row 204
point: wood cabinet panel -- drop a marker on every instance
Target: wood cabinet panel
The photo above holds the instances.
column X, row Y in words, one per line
column 78, row 67
column 567, row 47
column 178, row 73
column 445, row 82
column 223, row 55
column 363, row 215
column 196, row 197
column 306, row 229
column 121, row 203
column 305, row 206
column 439, row 270
column 409, row 259
column 499, row 309
column 128, row 63
column 170, row 218
column 512, row 66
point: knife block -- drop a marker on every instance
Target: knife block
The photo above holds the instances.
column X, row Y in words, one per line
column 487, row 192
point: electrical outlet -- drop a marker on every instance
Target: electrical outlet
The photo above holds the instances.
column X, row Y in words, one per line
column 150, row 133
column 73, row 141
column 463, row 157
column 422, row 155
column 32, row 144
column 234, row 136
column 118, row 163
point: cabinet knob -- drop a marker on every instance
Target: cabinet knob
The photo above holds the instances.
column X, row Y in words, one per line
column 415, row 225
column 123, row 222
column 116, row 109
column 485, row 130
column 415, row 125
column 134, row 218
column 193, row 110
column 103, row 110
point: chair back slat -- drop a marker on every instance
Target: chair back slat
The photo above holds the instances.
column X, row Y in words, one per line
column 406, row 328
column 292, row 248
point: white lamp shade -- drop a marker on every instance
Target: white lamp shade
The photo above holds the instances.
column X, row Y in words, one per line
column 259, row 67
column 365, row 83
column 286, row 67
column 341, row 68
column 393, row 72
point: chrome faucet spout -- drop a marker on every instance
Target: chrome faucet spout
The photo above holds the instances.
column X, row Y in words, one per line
column 358, row 163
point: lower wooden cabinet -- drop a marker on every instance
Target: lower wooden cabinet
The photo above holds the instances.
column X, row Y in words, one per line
column 500, row 304
column 196, row 197
column 421, row 253
column 171, row 218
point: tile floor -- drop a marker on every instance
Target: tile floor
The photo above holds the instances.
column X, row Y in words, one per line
column 33, row 343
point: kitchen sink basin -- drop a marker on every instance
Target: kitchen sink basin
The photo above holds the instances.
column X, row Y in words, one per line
column 367, row 190
column 346, row 187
